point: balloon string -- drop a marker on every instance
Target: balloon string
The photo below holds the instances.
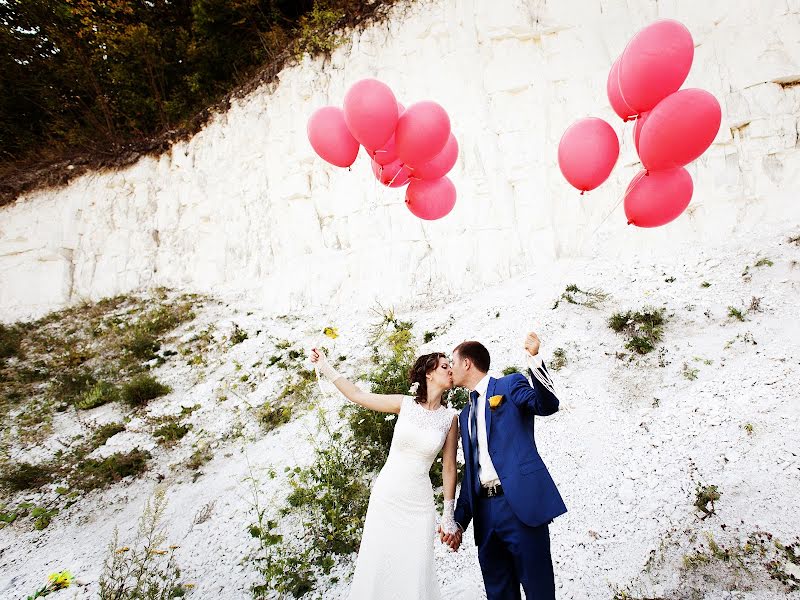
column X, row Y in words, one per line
column 395, row 175
column 571, row 263
column 631, row 187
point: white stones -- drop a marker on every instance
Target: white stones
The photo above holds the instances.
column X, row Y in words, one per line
column 626, row 492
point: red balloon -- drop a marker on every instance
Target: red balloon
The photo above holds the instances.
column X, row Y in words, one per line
column 439, row 165
column 624, row 111
column 330, row 137
column 587, row 152
column 395, row 174
column 385, row 155
column 679, row 129
column 422, row 131
column 370, row 111
column 388, row 153
column 655, row 64
column 637, row 129
column 658, row 198
column 431, row 200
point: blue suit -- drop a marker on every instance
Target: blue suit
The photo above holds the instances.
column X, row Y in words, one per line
column 511, row 530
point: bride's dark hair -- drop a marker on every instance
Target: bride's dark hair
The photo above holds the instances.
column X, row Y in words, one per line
column 424, row 365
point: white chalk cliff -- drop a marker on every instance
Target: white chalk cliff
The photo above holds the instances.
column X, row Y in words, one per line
column 245, row 207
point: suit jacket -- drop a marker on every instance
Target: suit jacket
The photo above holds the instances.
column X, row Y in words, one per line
column 527, row 485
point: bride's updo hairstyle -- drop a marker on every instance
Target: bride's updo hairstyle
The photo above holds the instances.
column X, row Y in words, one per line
column 419, row 383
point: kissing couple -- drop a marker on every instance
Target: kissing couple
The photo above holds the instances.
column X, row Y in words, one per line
column 507, row 491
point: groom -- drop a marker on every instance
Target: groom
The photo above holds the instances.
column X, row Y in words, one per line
column 506, row 489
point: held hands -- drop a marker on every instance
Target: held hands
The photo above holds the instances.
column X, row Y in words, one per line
column 532, row 343
column 449, row 531
column 451, row 539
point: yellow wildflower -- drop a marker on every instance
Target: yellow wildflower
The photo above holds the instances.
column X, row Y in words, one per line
column 331, row 332
column 61, row 580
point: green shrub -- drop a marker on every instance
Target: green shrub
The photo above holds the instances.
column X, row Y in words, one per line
column 142, row 344
column 329, row 498
column 103, row 433
column 169, row 433
column 458, row 398
column 73, row 385
column 27, row 476
column 574, row 295
column 10, row 342
column 101, row 393
column 644, row 329
column 201, row 455
column 238, row 335
column 272, row 415
column 705, row 496
column 559, row 359
column 143, row 388
column 91, row 474
column 735, row 313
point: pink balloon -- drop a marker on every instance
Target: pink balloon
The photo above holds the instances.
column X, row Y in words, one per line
column 679, row 129
column 370, row 111
column 395, row 174
column 431, row 200
column 658, row 198
column 587, row 152
column 637, row 129
column 422, row 131
column 624, row 111
column 439, row 165
column 385, row 155
column 330, row 137
column 655, row 64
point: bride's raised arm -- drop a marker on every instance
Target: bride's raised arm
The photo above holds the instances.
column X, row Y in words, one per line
column 387, row 403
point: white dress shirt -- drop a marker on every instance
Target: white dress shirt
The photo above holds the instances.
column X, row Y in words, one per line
column 487, row 472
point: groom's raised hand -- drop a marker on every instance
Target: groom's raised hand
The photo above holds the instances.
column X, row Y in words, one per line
column 532, row 343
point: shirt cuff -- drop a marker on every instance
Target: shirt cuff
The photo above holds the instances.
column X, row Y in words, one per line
column 535, row 362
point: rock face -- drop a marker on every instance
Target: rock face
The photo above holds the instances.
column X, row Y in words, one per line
column 245, row 207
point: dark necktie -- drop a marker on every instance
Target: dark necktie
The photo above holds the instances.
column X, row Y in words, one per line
column 473, row 436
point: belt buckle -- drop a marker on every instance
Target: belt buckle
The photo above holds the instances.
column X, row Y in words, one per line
column 491, row 491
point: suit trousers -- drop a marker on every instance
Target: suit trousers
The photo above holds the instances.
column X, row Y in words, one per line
column 512, row 553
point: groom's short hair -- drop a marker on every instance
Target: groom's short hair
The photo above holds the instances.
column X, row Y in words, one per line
column 476, row 353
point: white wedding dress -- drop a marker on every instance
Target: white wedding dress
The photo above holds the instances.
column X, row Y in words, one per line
column 395, row 560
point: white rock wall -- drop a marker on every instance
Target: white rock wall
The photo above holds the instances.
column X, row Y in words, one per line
column 245, row 207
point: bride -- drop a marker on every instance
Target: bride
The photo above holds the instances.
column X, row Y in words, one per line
column 395, row 560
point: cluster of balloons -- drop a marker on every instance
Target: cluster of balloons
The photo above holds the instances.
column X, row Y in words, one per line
column 408, row 146
column 673, row 126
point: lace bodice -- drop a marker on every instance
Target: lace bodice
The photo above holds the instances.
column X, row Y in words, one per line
column 420, row 434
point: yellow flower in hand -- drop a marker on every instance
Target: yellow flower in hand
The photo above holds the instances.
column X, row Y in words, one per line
column 495, row 401
column 331, row 332
column 59, row 581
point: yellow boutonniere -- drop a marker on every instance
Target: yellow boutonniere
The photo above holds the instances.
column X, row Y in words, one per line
column 495, row 401
column 331, row 332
